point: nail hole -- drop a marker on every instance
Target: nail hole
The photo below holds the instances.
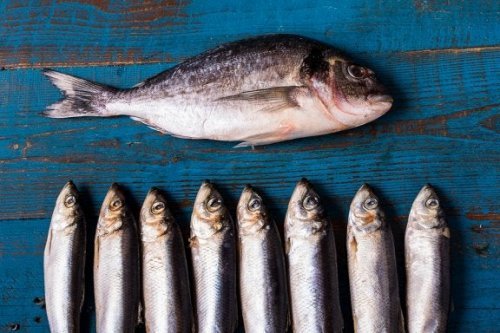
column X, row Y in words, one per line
column 40, row 301
column 14, row 327
column 37, row 320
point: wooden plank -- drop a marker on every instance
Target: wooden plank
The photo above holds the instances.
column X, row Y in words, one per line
column 439, row 59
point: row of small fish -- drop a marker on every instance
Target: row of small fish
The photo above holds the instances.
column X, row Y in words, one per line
column 307, row 298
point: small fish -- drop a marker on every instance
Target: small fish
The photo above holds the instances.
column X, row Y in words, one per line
column 213, row 249
column 427, row 252
column 116, row 266
column 263, row 287
column 165, row 280
column 312, row 264
column 372, row 267
column 64, row 262
column 257, row 91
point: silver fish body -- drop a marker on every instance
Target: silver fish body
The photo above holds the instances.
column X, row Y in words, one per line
column 427, row 254
column 259, row 91
column 213, row 250
column 262, row 275
column 372, row 267
column 165, row 281
column 64, row 263
column 116, row 266
column 312, row 264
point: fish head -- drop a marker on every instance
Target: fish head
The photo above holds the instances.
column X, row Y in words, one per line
column 365, row 214
column 251, row 211
column 156, row 218
column 68, row 208
column 352, row 93
column 426, row 209
column 113, row 210
column 305, row 204
column 210, row 215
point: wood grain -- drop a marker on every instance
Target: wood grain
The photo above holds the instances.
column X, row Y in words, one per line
column 440, row 59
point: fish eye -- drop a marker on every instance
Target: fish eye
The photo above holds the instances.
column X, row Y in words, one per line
column 254, row 204
column 158, row 207
column 370, row 203
column 214, row 204
column 310, row 202
column 356, row 72
column 432, row 203
column 116, row 204
column 69, row 201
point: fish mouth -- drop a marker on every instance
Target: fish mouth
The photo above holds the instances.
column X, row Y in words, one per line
column 380, row 99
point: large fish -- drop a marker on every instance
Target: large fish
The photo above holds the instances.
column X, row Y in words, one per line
column 312, row 264
column 372, row 267
column 116, row 266
column 257, row 91
column 213, row 249
column 427, row 252
column 165, row 281
column 64, row 262
column 263, row 287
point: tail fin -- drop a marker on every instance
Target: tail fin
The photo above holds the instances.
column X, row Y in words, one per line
column 79, row 96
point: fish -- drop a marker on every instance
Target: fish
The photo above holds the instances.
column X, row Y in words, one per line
column 427, row 256
column 312, row 263
column 255, row 91
column 372, row 268
column 262, row 273
column 213, row 252
column 165, row 280
column 116, row 265
column 64, row 262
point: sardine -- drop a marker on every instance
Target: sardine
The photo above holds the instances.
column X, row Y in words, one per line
column 427, row 252
column 116, row 266
column 64, row 262
column 312, row 264
column 165, row 280
column 213, row 249
column 257, row 91
column 372, row 267
column 263, row 288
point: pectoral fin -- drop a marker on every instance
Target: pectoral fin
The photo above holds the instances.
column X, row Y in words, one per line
column 272, row 99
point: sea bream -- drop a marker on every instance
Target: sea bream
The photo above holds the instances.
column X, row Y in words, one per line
column 64, row 262
column 371, row 261
column 165, row 280
column 312, row 264
column 116, row 266
column 427, row 253
column 213, row 250
column 256, row 91
column 263, row 286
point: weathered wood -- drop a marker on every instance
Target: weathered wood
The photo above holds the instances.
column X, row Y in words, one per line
column 440, row 59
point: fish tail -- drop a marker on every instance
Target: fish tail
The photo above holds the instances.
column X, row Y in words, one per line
column 81, row 97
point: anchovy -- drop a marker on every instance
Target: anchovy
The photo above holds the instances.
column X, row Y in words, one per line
column 372, row 267
column 116, row 266
column 64, row 262
column 213, row 250
column 312, row 264
column 165, row 280
column 263, row 288
column 257, row 91
column 427, row 252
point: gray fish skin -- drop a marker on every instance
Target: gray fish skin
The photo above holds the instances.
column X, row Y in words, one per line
column 372, row 267
column 64, row 263
column 262, row 275
column 165, row 281
column 116, row 266
column 312, row 264
column 213, row 250
column 427, row 254
column 259, row 91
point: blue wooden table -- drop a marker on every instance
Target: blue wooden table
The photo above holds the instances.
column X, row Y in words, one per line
column 439, row 58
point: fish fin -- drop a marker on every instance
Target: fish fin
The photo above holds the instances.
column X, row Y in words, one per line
column 149, row 124
column 401, row 327
column 79, row 95
column 48, row 245
column 96, row 252
column 272, row 99
column 286, row 131
column 287, row 245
